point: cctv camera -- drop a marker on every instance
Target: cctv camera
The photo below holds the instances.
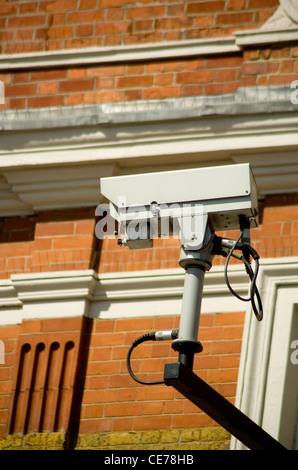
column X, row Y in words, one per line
column 159, row 204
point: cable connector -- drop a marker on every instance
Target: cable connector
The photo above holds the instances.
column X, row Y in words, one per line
column 166, row 335
column 223, row 246
column 228, row 243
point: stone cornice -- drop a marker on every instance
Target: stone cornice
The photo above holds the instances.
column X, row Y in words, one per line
column 106, row 55
column 122, row 295
column 113, row 295
column 56, row 175
column 147, row 52
column 261, row 38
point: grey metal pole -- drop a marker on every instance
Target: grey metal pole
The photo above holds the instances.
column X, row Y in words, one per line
column 187, row 342
column 195, row 263
column 191, row 304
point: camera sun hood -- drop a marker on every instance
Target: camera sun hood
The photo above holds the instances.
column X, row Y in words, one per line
column 220, row 194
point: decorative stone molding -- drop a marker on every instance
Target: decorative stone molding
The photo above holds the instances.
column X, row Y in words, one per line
column 114, row 295
column 281, row 27
column 44, row 295
column 131, row 53
column 41, row 174
column 291, row 9
column 280, row 20
column 41, row 189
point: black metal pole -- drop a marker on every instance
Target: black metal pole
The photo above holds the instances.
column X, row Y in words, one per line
column 217, row 407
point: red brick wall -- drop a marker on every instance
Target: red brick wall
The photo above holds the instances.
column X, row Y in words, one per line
column 154, row 80
column 52, row 25
column 51, row 241
column 65, row 240
column 9, row 335
column 269, row 66
column 24, row 22
column 113, row 401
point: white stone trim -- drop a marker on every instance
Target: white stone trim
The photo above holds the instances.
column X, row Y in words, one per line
column 279, row 28
column 8, row 295
column 114, row 295
column 261, row 38
column 291, row 9
column 44, row 295
column 159, row 293
column 265, row 359
column 130, row 53
column 69, row 175
column 56, row 187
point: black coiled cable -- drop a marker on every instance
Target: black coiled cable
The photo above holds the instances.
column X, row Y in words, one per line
column 254, row 292
column 247, row 252
column 141, row 339
column 154, row 336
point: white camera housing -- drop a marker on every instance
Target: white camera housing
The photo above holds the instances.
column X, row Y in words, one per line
column 218, row 194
